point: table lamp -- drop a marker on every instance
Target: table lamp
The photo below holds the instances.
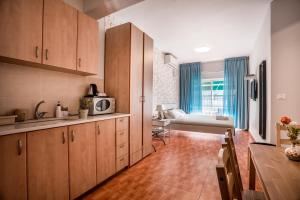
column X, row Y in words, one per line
column 160, row 109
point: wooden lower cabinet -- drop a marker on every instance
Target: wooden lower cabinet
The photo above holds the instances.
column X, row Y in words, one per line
column 47, row 164
column 63, row 162
column 13, row 167
column 106, row 149
column 122, row 162
column 82, row 158
column 136, row 157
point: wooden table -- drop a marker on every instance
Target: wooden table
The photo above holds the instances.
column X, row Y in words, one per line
column 279, row 176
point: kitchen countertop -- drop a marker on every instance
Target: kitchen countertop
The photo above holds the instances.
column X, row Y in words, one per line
column 27, row 127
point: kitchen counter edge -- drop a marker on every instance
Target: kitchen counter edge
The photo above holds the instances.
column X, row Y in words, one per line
column 22, row 128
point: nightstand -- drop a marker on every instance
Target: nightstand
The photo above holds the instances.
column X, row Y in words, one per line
column 161, row 128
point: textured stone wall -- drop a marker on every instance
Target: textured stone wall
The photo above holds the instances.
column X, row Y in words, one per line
column 165, row 81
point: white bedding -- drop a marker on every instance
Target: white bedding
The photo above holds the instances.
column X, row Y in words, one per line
column 203, row 120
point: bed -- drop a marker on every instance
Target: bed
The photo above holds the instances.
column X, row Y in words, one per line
column 201, row 123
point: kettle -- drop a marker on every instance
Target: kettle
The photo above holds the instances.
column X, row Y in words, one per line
column 93, row 91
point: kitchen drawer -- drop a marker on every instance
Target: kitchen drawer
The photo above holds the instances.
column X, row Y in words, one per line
column 122, row 149
column 122, row 137
column 122, row 162
column 122, row 123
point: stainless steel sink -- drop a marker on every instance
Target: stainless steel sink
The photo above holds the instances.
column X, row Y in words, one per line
column 50, row 119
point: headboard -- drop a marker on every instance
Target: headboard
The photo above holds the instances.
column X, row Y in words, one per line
column 170, row 105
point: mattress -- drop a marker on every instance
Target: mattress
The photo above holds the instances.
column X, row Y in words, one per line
column 203, row 120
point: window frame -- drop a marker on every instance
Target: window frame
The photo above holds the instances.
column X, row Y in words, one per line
column 210, row 110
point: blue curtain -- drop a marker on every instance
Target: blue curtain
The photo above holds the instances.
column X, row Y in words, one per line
column 190, row 87
column 236, row 91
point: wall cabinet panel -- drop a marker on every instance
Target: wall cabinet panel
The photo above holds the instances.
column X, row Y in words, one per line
column 60, row 34
column 21, row 29
column 49, row 34
column 88, row 50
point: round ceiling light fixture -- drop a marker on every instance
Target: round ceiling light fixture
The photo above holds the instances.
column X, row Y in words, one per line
column 203, row 49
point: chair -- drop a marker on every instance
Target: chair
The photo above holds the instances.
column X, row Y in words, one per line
column 234, row 162
column 283, row 141
column 227, row 183
column 229, row 176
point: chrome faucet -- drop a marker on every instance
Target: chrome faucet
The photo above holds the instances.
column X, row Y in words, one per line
column 39, row 115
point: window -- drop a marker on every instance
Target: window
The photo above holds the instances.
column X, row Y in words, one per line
column 212, row 96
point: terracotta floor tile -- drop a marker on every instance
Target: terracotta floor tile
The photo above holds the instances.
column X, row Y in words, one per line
column 184, row 169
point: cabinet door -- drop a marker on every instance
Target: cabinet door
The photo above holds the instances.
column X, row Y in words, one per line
column 47, row 164
column 60, row 34
column 136, row 100
column 21, row 29
column 88, row 44
column 117, row 77
column 147, row 93
column 82, row 158
column 13, row 166
column 106, row 149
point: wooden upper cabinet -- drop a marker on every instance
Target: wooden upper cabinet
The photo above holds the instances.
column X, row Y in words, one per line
column 88, row 44
column 13, row 166
column 60, row 34
column 147, row 93
column 47, row 164
column 106, row 149
column 21, row 29
column 82, row 158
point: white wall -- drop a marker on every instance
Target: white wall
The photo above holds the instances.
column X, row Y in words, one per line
column 260, row 52
column 285, row 53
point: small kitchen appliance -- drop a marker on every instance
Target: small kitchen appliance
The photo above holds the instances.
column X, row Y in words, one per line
column 93, row 90
column 101, row 105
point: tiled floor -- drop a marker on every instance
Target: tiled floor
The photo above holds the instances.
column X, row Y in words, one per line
column 184, row 169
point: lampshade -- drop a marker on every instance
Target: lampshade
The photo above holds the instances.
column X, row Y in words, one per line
column 159, row 108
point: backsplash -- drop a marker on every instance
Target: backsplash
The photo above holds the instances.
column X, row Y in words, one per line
column 23, row 87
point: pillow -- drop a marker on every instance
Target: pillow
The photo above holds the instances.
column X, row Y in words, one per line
column 167, row 115
column 176, row 113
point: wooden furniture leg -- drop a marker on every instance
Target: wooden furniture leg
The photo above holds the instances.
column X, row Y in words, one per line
column 251, row 173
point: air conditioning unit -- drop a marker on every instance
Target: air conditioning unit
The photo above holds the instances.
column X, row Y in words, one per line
column 171, row 60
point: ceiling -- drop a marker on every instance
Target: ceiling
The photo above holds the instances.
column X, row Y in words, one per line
column 228, row 27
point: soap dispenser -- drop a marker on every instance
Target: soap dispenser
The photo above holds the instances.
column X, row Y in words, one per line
column 58, row 112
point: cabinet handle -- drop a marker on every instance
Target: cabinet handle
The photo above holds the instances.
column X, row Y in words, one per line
column 121, row 119
column 20, row 147
column 99, row 130
column 64, row 138
column 121, row 159
column 72, row 135
column 37, row 52
column 46, row 54
column 79, row 62
column 122, row 146
column 121, row 133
